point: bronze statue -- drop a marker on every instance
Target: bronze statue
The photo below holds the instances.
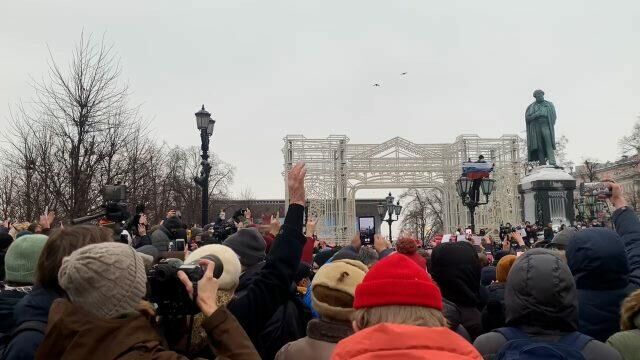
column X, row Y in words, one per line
column 541, row 138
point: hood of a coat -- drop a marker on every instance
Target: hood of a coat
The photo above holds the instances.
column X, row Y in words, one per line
column 598, row 260
column 540, row 292
column 456, row 268
column 74, row 333
column 35, row 306
column 409, row 342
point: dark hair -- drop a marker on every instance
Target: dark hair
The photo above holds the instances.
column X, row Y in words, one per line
column 61, row 243
column 32, row 227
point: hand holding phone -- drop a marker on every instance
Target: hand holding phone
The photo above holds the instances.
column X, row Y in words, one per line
column 617, row 196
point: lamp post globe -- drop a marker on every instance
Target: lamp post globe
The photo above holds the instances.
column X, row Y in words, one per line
column 469, row 192
column 202, row 119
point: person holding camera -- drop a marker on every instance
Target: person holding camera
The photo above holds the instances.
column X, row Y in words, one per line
column 104, row 317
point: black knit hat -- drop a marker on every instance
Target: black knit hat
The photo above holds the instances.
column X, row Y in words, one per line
column 249, row 245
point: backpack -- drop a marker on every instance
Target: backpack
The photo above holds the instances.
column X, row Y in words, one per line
column 520, row 346
column 288, row 324
column 5, row 339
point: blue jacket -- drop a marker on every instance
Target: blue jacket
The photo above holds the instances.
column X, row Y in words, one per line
column 628, row 227
column 33, row 307
column 603, row 268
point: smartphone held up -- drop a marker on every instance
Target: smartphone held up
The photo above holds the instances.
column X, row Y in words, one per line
column 598, row 189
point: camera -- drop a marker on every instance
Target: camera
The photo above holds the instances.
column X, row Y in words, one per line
column 168, row 292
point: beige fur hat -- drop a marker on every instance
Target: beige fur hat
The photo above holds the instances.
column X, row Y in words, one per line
column 334, row 287
column 231, row 274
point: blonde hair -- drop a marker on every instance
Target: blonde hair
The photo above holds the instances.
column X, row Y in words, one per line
column 629, row 310
column 399, row 314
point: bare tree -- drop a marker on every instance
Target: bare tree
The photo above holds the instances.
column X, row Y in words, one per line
column 589, row 171
column 79, row 121
column 247, row 197
column 630, row 144
column 561, row 153
column 422, row 212
column 80, row 133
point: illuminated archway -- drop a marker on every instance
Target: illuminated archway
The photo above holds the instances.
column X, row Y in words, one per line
column 338, row 169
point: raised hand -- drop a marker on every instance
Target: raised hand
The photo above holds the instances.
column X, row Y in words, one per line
column 47, row 219
column 311, row 226
column 142, row 229
column 295, row 183
column 617, row 195
column 380, row 243
column 274, row 225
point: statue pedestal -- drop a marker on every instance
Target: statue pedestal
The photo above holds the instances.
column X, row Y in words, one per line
column 546, row 196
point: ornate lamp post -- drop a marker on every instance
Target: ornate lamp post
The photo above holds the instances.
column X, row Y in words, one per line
column 471, row 198
column 581, row 210
column 390, row 209
column 205, row 124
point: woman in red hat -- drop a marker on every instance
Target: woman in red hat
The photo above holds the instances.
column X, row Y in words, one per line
column 399, row 315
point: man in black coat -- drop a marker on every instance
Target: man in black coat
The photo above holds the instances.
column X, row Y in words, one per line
column 270, row 288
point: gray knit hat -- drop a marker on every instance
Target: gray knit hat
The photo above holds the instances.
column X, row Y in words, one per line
column 106, row 279
column 249, row 245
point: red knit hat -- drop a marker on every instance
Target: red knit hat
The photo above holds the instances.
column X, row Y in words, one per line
column 397, row 280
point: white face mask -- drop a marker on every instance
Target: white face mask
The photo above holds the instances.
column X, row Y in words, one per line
column 222, row 215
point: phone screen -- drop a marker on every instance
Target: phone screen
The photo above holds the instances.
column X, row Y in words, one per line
column 180, row 245
column 367, row 228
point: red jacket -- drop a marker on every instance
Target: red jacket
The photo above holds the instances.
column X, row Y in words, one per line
column 307, row 252
column 407, row 342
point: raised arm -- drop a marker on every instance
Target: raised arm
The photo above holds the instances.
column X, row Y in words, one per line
column 270, row 289
column 627, row 226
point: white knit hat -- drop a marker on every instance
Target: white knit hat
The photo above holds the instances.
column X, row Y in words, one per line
column 106, row 279
column 231, row 273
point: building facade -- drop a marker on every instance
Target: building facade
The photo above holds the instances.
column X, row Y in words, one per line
column 625, row 171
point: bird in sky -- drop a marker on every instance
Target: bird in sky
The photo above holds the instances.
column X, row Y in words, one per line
column 404, row 73
column 376, row 84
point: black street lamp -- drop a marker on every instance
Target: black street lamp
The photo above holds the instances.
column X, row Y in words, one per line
column 205, row 124
column 581, row 210
column 469, row 192
column 390, row 209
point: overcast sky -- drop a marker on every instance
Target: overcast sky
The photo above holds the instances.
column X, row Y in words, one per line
column 266, row 69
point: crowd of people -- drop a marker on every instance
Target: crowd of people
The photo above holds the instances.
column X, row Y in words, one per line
column 275, row 292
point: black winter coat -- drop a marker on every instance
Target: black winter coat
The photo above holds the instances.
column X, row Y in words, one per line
column 2, row 254
column 33, row 307
column 270, row 288
column 9, row 298
column 288, row 324
column 493, row 313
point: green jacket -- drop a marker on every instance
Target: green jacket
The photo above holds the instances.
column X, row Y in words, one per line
column 627, row 343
